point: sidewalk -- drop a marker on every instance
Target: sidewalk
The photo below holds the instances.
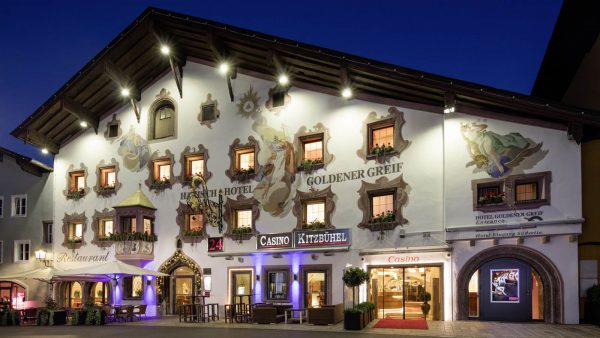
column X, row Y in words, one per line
column 436, row 328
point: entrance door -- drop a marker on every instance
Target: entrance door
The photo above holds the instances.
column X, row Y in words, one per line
column 404, row 293
column 505, row 290
column 315, row 284
column 183, row 287
column 241, row 286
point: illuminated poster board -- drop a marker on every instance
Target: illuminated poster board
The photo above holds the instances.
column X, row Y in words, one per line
column 505, row 285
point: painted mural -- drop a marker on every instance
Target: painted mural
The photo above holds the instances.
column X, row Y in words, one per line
column 134, row 151
column 497, row 154
column 279, row 175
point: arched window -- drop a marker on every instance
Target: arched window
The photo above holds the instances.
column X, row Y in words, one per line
column 163, row 121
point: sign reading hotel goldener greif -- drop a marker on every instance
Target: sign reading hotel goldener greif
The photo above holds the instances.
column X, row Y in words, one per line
column 304, row 239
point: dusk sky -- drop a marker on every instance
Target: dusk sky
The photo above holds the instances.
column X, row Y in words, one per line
column 499, row 43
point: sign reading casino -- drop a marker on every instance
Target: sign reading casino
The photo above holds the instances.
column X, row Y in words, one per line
column 304, row 239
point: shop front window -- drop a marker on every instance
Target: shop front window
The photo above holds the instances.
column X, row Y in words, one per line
column 277, row 288
column 14, row 293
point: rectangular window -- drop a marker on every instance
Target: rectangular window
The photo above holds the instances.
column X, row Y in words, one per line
column 19, row 206
column 194, row 165
column 77, row 180
column 382, row 137
column 106, row 228
column 279, row 98
column 113, row 130
column 1, row 206
column 194, row 222
column 526, row 192
column 245, row 159
column 313, row 150
column 75, row 231
column 243, row 218
column 382, row 204
column 162, row 170
column 315, row 211
column 133, row 287
column 277, row 285
column 47, row 232
column 108, row 177
column 147, row 225
column 22, row 250
column 492, row 194
column 128, row 224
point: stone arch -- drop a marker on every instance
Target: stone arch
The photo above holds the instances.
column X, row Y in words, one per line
column 176, row 260
column 551, row 279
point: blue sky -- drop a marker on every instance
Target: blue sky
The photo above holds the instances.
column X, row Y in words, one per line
column 499, row 43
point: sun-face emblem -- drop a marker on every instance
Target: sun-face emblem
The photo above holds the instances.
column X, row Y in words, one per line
column 248, row 104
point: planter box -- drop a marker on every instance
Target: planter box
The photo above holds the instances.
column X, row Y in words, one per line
column 354, row 321
column 591, row 313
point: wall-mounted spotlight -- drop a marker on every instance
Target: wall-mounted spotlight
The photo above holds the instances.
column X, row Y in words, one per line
column 165, row 50
column 125, row 92
column 258, row 278
column 241, row 259
column 224, row 68
column 45, row 151
column 347, row 93
column 449, row 110
column 283, row 80
column 148, row 282
column 83, row 124
column 295, row 276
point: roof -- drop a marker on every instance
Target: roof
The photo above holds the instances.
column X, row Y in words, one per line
column 27, row 164
column 132, row 59
column 137, row 199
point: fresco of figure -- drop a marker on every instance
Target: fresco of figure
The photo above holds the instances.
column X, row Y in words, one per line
column 496, row 154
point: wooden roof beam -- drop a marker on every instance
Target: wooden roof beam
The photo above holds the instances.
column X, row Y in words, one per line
column 177, row 58
column 123, row 81
column 80, row 112
column 37, row 139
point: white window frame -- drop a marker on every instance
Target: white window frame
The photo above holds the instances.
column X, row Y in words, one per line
column 1, row 208
column 17, row 256
column 13, row 208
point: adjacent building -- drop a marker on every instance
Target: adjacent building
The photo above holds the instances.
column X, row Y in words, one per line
column 446, row 192
column 26, row 219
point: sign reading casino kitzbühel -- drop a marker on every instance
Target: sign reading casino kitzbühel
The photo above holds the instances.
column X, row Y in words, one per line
column 304, row 239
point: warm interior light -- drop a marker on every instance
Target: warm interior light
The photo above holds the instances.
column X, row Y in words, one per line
column 165, row 50
column 347, row 93
column 83, row 124
column 44, row 151
column 283, row 80
column 40, row 254
column 223, row 68
column 125, row 92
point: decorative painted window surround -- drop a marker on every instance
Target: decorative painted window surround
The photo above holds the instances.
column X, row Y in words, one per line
column 163, row 104
column 231, row 208
column 490, row 195
column 113, row 129
column 305, row 136
column 100, row 233
column 299, row 210
column 235, row 173
column 187, row 156
column 278, row 99
column 209, row 111
column 73, row 190
column 382, row 186
column 68, row 228
column 184, row 212
column 103, row 185
column 382, row 153
column 155, row 181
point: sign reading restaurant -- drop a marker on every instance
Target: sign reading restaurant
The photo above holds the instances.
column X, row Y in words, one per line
column 304, row 239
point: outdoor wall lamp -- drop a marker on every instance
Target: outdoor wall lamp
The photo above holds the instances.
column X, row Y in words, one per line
column 148, row 282
column 295, row 276
column 42, row 256
column 258, row 278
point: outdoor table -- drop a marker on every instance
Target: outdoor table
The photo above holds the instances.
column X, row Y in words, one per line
column 300, row 312
column 241, row 311
column 185, row 310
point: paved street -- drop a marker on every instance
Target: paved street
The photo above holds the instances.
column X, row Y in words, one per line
column 171, row 327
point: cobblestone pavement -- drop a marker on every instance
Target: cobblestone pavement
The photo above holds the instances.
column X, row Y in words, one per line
column 171, row 327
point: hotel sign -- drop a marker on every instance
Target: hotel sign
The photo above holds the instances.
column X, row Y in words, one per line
column 304, row 239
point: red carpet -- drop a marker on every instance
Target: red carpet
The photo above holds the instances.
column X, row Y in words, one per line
column 390, row 323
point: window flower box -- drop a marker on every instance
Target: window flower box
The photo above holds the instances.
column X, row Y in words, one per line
column 161, row 184
column 241, row 174
column 106, row 191
column 315, row 225
column 309, row 166
column 491, row 198
column 75, row 194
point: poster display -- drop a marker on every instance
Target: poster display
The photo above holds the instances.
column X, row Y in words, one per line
column 505, row 285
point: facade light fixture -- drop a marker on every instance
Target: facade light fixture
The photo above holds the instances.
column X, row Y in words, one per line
column 83, row 124
column 125, row 92
column 45, row 151
column 224, row 68
column 283, row 80
column 448, row 110
column 42, row 256
column 165, row 50
column 347, row 93
column 295, row 276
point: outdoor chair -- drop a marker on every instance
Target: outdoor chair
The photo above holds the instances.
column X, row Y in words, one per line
column 140, row 310
column 110, row 313
column 126, row 312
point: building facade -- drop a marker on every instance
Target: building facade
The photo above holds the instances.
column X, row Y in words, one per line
column 26, row 221
column 473, row 210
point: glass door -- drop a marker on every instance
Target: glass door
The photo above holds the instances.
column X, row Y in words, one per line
column 315, row 284
column 241, row 286
column 183, row 286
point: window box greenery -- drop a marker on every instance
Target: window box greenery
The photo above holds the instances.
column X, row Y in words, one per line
column 161, row 184
column 106, row 190
column 490, row 198
column 241, row 174
column 130, row 236
column 384, row 217
column 75, row 194
column 379, row 150
column 309, row 165
column 315, row 225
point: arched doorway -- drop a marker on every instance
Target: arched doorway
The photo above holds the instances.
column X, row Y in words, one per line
column 72, row 294
column 99, row 292
column 184, row 283
column 497, row 266
column 14, row 292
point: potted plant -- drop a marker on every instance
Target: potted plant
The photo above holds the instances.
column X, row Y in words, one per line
column 425, row 307
column 315, row 225
column 309, row 165
column 51, row 314
column 591, row 313
column 160, row 184
column 75, row 194
column 491, row 197
column 384, row 217
column 242, row 174
column 354, row 277
column 8, row 316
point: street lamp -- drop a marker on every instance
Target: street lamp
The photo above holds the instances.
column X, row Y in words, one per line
column 42, row 256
